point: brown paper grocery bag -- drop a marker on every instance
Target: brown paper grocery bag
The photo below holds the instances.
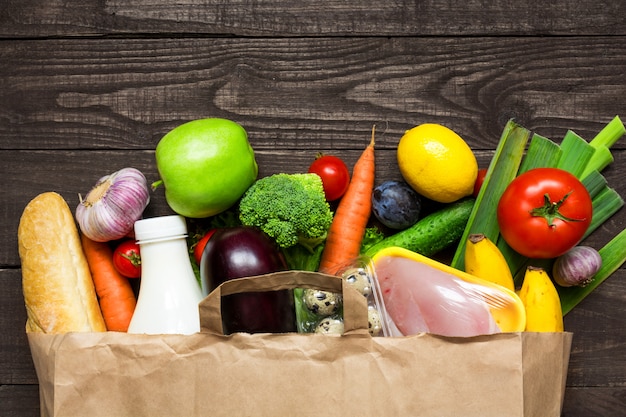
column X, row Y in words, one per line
column 209, row 374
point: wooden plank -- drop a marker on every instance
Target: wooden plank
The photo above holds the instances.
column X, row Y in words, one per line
column 17, row 364
column 595, row 402
column 20, row 400
column 23, row 401
column 597, row 357
column 320, row 18
column 298, row 93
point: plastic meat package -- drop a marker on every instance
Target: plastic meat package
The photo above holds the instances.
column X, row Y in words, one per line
column 422, row 295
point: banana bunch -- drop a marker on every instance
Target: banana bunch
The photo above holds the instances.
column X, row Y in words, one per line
column 541, row 301
column 484, row 260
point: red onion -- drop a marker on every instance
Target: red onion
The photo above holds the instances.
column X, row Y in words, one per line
column 113, row 205
column 576, row 267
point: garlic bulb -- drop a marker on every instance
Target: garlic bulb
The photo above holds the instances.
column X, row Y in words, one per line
column 577, row 267
column 113, row 205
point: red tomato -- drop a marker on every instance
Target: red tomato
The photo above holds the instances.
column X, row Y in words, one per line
column 544, row 212
column 127, row 259
column 480, row 178
column 199, row 248
column 334, row 173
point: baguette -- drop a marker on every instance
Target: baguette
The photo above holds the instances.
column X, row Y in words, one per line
column 58, row 289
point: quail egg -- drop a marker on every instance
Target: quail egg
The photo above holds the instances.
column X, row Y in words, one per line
column 323, row 303
column 359, row 278
column 330, row 325
column 375, row 324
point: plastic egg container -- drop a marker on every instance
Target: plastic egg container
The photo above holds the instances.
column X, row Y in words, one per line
column 321, row 311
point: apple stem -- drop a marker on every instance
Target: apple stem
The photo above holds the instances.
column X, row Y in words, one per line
column 156, row 184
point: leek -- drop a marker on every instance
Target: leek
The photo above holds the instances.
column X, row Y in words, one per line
column 600, row 159
column 606, row 138
column 609, row 134
column 576, row 154
column 542, row 153
column 605, row 204
column 502, row 169
column 594, row 183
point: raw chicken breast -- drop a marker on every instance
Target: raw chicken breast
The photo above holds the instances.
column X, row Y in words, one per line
column 420, row 298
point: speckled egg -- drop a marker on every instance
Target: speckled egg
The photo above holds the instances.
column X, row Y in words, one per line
column 375, row 324
column 330, row 325
column 323, row 303
column 359, row 278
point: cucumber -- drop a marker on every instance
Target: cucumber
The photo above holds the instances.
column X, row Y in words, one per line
column 432, row 233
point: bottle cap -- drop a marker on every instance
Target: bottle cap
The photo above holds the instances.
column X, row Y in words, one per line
column 163, row 227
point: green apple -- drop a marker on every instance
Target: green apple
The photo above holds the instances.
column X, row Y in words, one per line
column 205, row 165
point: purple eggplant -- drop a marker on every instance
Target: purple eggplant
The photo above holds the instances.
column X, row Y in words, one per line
column 241, row 252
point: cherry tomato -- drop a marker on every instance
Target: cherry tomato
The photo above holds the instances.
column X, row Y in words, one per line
column 334, row 173
column 480, row 178
column 127, row 259
column 199, row 248
column 544, row 212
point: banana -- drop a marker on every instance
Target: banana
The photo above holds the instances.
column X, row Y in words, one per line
column 541, row 301
column 484, row 260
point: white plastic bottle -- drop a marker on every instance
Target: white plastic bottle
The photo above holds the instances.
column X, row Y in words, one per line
column 169, row 293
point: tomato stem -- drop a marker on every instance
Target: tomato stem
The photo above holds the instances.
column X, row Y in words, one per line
column 550, row 210
column 133, row 257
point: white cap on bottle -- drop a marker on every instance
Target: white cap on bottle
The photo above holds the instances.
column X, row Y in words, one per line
column 164, row 227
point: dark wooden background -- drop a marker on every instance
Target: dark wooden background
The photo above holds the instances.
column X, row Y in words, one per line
column 88, row 87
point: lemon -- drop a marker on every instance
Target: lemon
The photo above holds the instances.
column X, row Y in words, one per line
column 437, row 163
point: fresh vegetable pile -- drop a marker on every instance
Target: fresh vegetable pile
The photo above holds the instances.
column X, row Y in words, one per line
column 520, row 227
column 519, row 261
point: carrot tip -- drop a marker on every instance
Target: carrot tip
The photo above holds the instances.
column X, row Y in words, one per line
column 373, row 135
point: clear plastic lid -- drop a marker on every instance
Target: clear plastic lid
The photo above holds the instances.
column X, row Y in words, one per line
column 163, row 227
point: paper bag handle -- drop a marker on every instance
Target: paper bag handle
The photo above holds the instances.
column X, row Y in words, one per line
column 354, row 304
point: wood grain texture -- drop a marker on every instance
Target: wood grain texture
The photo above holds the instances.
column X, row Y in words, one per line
column 22, row 401
column 320, row 18
column 17, row 364
column 89, row 87
column 126, row 94
column 19, row 400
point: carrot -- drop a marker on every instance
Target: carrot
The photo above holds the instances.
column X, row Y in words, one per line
column 347, row 229
column 115, row 294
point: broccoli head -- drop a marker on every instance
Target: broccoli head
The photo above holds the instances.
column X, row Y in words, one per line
column 290, row 208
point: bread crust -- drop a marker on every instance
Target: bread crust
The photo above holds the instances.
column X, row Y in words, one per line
column 58, row 289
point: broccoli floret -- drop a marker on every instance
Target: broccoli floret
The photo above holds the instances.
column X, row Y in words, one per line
column 290, row 208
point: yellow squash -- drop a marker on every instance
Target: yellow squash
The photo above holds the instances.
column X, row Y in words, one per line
column 505, row 306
